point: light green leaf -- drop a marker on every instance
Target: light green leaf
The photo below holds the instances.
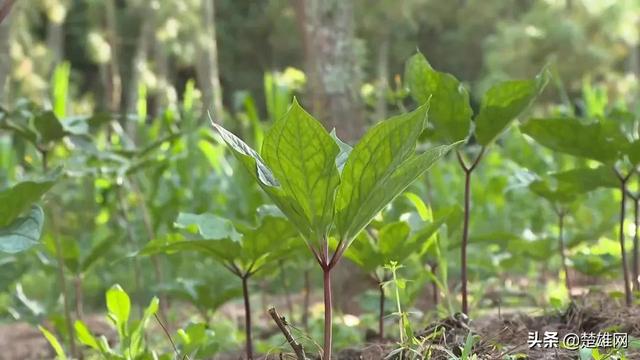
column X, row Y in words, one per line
column 17, row 199
column 84, row 335
column 209, row 226
column 23, row 233
column 394, row 244
column 380, row 167
column 136, row 346
column 376, row 157
column 503, row 102
column 261, row 173
column 571, row 136
column 55, row 344
column 119, row 307
column 302, row 155
column 450, row 112
column 423, row 209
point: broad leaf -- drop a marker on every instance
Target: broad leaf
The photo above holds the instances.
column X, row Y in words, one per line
column 571, row 136
column 372, row 163
column 49, row 127
column 209, row 226
column 302, row 156
column 379, row 168
column 119, row 307
column 450, row 112
column 252, row 161
column 23, row 233
column 20, row 197
column 503, row 102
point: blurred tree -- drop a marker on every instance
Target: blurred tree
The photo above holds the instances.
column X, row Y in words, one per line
column 327, row 30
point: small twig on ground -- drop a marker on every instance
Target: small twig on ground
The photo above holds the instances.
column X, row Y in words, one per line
column 296, row 346
column 173, row 344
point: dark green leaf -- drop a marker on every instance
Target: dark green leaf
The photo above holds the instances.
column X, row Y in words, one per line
column 450, row 112
column 20, row 197
column 503, row 102
column 571, row 136
column 49, row 127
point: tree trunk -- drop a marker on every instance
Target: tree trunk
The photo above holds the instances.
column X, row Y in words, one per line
column 383, row 78
column 114, row 93
column 5, row 59
column 207, row 66
column 333, row 72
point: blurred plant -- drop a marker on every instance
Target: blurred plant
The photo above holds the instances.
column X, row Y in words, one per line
column 451, row 117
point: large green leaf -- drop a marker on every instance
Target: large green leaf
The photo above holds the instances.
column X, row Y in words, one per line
column 571, row 136
column 302, row 156
column 450, row 112
column 633, row 152
column 503, row 102
column 379, row 168
column 23, row 233
column 18, row 198
column 261, row 173
column 370, row 166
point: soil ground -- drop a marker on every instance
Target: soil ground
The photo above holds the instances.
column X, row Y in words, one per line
column 500, row 333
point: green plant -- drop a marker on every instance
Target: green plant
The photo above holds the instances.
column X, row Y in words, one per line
column 451, row 116
column 242, row 249
column 322, row 184
column 606, row 139
column 131, row 345
column 386, row 242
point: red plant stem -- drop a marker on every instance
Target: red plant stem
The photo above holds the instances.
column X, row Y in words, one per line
column 636, row 266
column 381, row 320
column 306, row 301
column 465, row 240
column 247, row 317
column 328, row 314
column 561, row 215
column 465, row 227
column 625, row 272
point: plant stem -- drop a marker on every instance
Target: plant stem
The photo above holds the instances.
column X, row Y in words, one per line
column 247, row 316
column 61, row 277
column 561, row 215
column 306, row 301
column 381, row 319
column 79, row 296
column 328, row 314
column 465, row 229
column 636, row 266
column 625, row 272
